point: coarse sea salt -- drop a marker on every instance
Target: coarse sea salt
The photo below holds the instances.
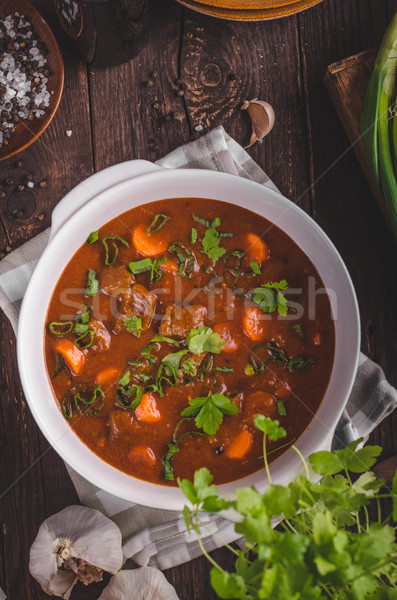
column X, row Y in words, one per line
column 23, row 75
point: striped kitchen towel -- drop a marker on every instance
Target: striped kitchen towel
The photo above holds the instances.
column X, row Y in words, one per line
column 159, row 538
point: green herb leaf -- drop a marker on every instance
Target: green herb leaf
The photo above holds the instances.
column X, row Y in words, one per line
column 163, row 338
column 81, row 328
column 202, row 339
column 269, row 427
column 208, row 412
column 93, row 237
column 174, row 360
column 271, row 298
column 228, row 585
column 189, row 368
column 133, row 325
column 156, row 273
column 152, row 227
column 255, row 267
column 282, row 411
column 224, row 369
column 298, row 328
column 168, row 472
column 193, row 236
column 210, row 242
column 351, row 459
column 92, row 285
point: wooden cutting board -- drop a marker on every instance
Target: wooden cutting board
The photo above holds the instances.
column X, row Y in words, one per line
column 346, row 82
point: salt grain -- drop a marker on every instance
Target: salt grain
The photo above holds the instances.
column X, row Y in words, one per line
column 69, row 132
column 23, row 90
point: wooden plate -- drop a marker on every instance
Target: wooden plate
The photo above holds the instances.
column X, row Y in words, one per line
column 247, row 4
column 26, row 132
column 264, row 14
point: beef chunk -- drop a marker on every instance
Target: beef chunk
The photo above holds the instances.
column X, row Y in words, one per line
column 179, row 320
column 139, row 302
column 102, row 337
column 116, row 280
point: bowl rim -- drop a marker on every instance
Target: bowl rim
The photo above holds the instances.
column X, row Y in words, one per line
column 92, row 467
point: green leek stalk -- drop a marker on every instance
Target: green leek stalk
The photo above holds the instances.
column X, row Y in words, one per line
column 378, row 125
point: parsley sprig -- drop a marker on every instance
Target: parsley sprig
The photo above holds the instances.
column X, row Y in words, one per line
column 270, row 297
column 208, row 412
column 312, row 555
column 203, row 339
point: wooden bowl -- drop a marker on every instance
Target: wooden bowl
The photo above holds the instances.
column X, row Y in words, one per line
column 26, row 132
column 275, row 9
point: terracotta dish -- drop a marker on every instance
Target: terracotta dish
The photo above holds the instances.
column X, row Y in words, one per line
column 26, row 132
column 235, row 10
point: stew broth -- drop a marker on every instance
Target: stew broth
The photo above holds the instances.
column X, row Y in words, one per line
column 218, row 304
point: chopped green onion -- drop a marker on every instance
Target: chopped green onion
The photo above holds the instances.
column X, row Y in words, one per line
column 185, row 259
column 255, row 267
column 140, row 266
column 375, row 119
column 125, row 379
column 92, row 285
column 84, row 315
column 90, row 409
column 129, row 398
column 146, row 353
column 238, row 254
column 81, row 328
column 204, row 222
column 152, row 227
column 144, row 377
column 161, row 379
column 156, row 273
column 298, row 365
column 60, row 328
column 224, row 369
column 114, row 239
column 205, row 366
column 168, row 472
column 88, row 336
column 59, row 364
column 273, row 353
column 93, row 237
column 193, row 236
column 281, row 408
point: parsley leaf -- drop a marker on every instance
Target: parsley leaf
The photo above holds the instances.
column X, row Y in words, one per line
column 270, row 297
column 202, row 339
column 208, row 411
column 189, row 368
column 210, row 242
column 269, row 427
column 255, row 267
column 351, row 459
column 93, row 237
column 133, row 325
column 174, row 359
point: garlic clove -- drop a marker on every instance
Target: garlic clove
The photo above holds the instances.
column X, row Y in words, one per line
column 144, row 583
column 262, row 117
column 76, row 544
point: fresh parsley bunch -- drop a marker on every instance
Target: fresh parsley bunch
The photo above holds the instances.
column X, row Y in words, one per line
column 311, row 554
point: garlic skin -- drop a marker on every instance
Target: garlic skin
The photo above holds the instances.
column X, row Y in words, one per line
column 262, row 117
column 144, row 583
column 75, row 544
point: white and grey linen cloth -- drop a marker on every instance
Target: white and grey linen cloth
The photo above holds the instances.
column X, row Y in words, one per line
column 155, row 537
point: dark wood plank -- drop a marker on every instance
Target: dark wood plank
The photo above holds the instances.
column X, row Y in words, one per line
column 342, row 200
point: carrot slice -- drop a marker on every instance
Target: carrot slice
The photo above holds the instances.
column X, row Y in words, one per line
column 147, row 410
column 73, row 356
column 148, row 244
column 257, row 248
column 240, row 445
column 107, row 376
column 142, row 455
column 254, row 324
column 171, row 266
column 225, row 331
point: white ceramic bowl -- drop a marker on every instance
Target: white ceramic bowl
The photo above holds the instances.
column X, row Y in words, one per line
column 116, row 190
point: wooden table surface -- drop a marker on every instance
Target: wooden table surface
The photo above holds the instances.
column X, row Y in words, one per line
column 114, row 115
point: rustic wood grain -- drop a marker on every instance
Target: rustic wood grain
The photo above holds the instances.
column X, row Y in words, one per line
column 195, row 71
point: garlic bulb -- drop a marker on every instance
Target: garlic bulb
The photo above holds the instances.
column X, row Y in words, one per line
column 262, row 118
column 145, row 583
column 76, row 544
